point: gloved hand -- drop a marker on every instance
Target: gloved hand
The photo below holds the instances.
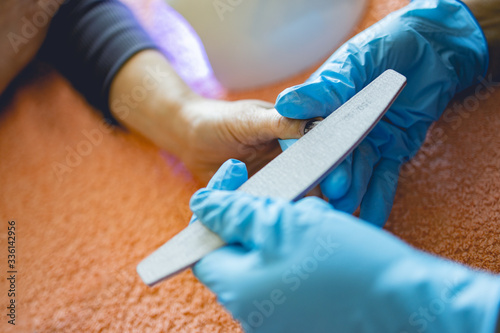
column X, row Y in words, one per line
column 439, row 47
column 305, row 267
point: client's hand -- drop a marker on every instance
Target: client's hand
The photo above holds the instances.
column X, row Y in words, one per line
column 202, row 132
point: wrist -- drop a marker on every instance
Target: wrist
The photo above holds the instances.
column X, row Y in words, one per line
column 166, row 122
column 148, row 97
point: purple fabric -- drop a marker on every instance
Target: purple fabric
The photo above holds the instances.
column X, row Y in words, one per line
column 180, row 43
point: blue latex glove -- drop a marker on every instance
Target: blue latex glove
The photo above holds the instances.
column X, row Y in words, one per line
column 439, row 47
column 304, row 267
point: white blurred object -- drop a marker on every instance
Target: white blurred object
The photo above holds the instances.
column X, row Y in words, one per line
column 256, row 42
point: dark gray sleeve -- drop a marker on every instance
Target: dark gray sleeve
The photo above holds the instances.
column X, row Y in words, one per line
column 89, row 41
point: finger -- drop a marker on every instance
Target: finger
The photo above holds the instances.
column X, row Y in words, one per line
column 221, row 268
column 234, row 274
column 285, row 144
column 240, row 218
column 337, row 183
column 316, row 98
column 257, row 125
column 231, row 175
column 308, row 125
column 282, row 127
column 377, row 202
column 365, row 157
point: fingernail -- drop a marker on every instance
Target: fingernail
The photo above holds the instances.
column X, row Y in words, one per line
column 311, row 124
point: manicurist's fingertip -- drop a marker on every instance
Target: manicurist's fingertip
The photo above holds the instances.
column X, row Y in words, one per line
column 197, row 200
column 337, row 183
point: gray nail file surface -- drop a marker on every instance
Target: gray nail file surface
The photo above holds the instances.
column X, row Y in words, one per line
column 291, row 175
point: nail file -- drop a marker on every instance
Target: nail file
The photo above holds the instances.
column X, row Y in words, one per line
column 290, row 175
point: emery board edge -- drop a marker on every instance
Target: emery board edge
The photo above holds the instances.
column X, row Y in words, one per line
column 196, row 232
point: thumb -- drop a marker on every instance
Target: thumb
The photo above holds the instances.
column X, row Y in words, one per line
column 377, row 202
column 269, row 124
column 231, row 175
column 240, row 218
column 318, row 97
